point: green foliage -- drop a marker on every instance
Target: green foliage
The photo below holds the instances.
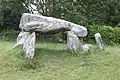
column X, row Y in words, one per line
column 10, row 13
column 100, row 12
column 109, row 35
column 117, row 34
column 83, row 12
column 9, row 34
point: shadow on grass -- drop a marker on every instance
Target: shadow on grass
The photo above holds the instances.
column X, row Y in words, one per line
column 41, row 57
column 51, row 52
column 44, row 55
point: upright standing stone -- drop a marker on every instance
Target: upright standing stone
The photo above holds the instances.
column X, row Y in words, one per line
column 21, row 38
column 99, row 41
column 29, row 46
column 72, row 41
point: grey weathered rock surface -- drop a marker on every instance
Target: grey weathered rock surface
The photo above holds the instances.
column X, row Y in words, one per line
column 30, row 23
column 85, row 47
column 99, row 41
column 73, row 42
column 26, row 39
column 21, row 38
column 29, row 46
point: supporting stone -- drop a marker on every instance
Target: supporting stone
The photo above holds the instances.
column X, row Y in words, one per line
column 26, row 39
column 99, row 41
column 21, row 38
column 72, row 41
column 29, row 46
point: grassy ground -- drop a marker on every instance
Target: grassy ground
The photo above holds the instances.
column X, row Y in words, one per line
column 53, row 62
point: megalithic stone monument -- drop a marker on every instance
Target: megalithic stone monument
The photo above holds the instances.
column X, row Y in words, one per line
column 73, row 42
column 99, row 41
column 30, row 23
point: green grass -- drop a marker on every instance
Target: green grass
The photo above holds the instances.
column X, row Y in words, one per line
column 53, row 62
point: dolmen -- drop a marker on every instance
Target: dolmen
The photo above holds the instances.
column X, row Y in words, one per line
column 31, row 23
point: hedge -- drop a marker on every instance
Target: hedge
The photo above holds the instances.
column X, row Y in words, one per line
column 9, row 34
column 109, row 34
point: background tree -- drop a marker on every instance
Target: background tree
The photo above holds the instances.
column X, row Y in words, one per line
column 11, row 11
column 83, row 12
